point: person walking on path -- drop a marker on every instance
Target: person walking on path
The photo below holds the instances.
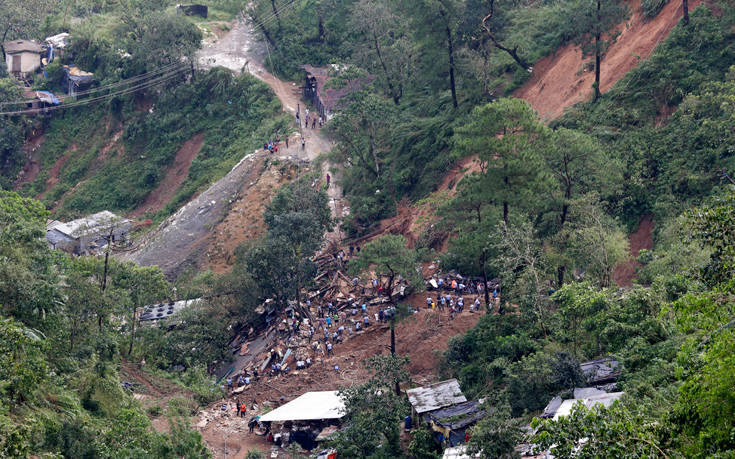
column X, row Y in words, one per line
column 286, row 141
column 303, row 143
column 329, row 179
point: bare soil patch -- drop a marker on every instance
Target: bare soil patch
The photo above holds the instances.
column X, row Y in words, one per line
column 642, row 238
column 175, row 176
column 33, row 166
column 558, row 81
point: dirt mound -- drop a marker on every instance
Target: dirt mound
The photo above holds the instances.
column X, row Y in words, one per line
column 558, row 81
column 642, row 238
column 175, row 176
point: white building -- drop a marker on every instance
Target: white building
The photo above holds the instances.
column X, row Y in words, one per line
column 23, row 57
column 86, row 234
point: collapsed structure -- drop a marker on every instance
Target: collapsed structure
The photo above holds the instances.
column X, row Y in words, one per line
column 86, row 235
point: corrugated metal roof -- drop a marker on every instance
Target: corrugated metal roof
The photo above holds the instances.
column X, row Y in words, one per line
column 605, row 400
column 311, row 406
column 458, row 416
column 435, row 396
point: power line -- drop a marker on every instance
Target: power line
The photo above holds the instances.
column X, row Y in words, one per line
column 141, row 86
column 134, row 79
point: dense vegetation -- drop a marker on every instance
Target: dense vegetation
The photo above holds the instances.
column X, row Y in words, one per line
column 117, row 43
column 546, row 211
column 60, row 324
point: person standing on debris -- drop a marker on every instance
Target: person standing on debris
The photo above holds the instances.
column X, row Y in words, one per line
column 364, row 307
column 357, row 326
column 329, row 348
column 303, row 143
column 428, row 302
column 320, row 121
column 329, row 322
column 366, row 320
column 308, row 362
column 243, row 409
column 381, row 315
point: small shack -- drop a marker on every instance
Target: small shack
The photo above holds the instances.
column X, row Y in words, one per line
column 193, row 10
column 77, row 80
column 601, row 371
column 22, row 57
column 84, row 235
column 311, row 406
column 453, row 421
column 328, row 100
column 588, row 396
column 433, row 397
column 40, row 99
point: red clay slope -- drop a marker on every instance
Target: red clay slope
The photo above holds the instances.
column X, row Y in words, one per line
column 557, row 83
column 174, row 177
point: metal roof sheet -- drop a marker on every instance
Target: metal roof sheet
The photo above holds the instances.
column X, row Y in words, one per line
column 310, row 406
column 435, row 396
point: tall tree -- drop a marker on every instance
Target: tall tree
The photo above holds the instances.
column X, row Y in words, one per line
column 502, row 134
column 578, row 165
column 595, row 21
column 365, row 132
column 437, row 23
column 389, row 257
column 384, row 48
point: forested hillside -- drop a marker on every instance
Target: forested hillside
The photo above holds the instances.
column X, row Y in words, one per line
column 603, row 232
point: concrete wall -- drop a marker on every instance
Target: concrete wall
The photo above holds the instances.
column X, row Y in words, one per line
column 29, row 62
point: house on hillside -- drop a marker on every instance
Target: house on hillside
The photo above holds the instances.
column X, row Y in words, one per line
column 328, row 100
column 84, row 235
column 22, row 57
column 453, row 421
column 587, row 396
column 601, row 371
column 77, row 80
column 193, row 10
column 427, row 399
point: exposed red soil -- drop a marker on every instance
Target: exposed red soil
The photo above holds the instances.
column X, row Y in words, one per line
column 411, row 220
column 421, row 337
column 245, row 219
column 53, row 177
column 558, row 81
column 642, row 238
column 33, row 166
column 175, row 176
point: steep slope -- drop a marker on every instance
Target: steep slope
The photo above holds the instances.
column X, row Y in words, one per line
column 559, row 81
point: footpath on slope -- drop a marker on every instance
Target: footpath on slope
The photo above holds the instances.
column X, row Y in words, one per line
column 560, row 81
column 186, row 238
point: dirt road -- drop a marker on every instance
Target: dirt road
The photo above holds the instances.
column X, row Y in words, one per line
column 182, row 239
column 240, row 51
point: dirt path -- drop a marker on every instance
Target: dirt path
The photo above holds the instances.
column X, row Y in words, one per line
column 558, row 80
column 239, row 50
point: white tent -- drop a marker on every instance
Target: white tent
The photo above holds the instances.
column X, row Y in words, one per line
column 308, row 407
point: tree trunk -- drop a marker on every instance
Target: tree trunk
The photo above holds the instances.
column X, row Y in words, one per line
column 560, row 276
column 685, row 6
column 104, row 277
column 505, row 203
column 450, row 50
column 132, row 333
column 394, row 94
column 278, row 16
column 598, row 58
column 484, row 280
column 264, row 30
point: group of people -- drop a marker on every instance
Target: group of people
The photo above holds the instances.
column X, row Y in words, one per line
column 472, row 288
column 313, row 120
